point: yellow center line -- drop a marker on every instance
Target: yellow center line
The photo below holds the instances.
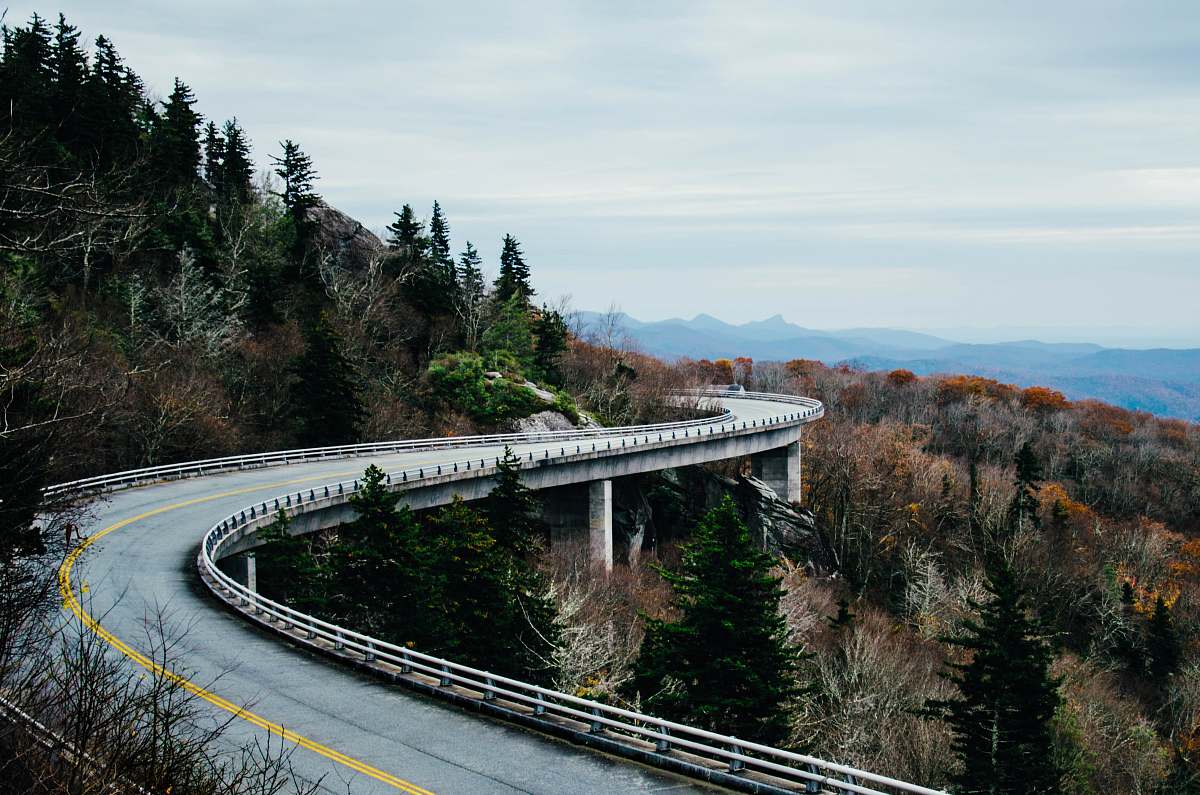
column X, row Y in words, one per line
column 71, row 602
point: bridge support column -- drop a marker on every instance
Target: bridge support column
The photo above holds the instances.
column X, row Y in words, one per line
column 779, row 469
column 242, row 568
column 600, row 526
column 571, row 511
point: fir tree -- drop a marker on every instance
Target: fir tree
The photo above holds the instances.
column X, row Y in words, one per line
column 1024, row 509
column 550, row 331
column 1163, row 650
column 726, row 664
column 237, row 171
column 406, row 236
column 511, row 509
column 69, row 70
column 113, row 96
column 469, row 299
column 497, row 606
column 439, row 246
column 388, row 581
column 513, row 281
column 176, row 141
column 326, row 402
column 296, row 171
column 214, row 156
column 1007, row 699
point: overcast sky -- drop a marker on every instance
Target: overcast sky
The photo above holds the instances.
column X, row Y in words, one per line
column 924, row 165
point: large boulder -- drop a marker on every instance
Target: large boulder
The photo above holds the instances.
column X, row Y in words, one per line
column 348, row 242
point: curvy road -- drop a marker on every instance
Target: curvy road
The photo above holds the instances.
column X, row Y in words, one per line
column 352, row 732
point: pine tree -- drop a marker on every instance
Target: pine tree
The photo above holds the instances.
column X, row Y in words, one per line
column 406, row 236
column 511, row 509
column 176, row 141
column 214, row 157
column 469, row 299
column 726, row 665
column 513, row 281
column 1007, row 699
column 550, row 331
column 326, row 402
column 296, row 171
column 1024, row 509
column 439, row 246
column 388, row 580
column 69, row 71
column 1163, row 650
column 497, row 606
column 113, row 97
column 289, row 572
column 237, row 171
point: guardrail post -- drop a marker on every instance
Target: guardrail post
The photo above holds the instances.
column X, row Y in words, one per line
column 337, row 642
column 445, row 680
column 405, row 663
column 812, row 786
column 539, row 708
column 736, row 765
column 662, row 744
column 596, row 726
column 489, row 694
column 369, row 654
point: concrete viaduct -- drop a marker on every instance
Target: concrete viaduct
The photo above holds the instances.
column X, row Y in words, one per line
column 269, row 665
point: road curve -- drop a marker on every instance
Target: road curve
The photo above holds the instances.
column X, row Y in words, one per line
column 353, row 732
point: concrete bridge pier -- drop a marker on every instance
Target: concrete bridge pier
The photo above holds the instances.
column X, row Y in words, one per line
column 242, row 568
column 571, row 510
column 780, row 469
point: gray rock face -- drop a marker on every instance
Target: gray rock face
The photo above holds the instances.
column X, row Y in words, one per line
column 542, row 421
column 350, row 243
column 654, row 509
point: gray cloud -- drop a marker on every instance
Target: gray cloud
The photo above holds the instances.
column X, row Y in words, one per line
column 925, row 165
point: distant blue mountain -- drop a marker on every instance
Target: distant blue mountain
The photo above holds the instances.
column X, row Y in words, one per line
column 1164, row 381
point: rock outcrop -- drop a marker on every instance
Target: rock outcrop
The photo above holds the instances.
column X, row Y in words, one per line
column 338, row 235
column 661, row 507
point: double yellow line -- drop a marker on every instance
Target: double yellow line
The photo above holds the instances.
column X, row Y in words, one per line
column 71, row 602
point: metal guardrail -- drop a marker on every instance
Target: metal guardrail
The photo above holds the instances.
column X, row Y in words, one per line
column 209, row 466
column 814, row 775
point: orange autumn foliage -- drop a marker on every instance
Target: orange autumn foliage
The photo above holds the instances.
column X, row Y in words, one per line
column 960, row 387
column 901, row 377
column 1043, row 399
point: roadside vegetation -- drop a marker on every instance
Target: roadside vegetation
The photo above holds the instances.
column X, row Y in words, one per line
column 1001, row 592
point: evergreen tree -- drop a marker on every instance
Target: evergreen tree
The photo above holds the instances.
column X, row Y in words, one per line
column 497, row 606
column 439, row 243
column 214, row 156
column 509, row 340
column 469, row 299
column 1163, row 650
column 726, row 664
column 406, row 237
column 513, row 281
column 388, row 580
column 69, row 74
column 176, row 140
column 1007, row 699
column 1024, row 509
column 296, row 171
column 113, row 97
column 550, row 331
column 326, row 402
column 290, row 572
column 511, row 509
column 25, row 78
column 237, row 171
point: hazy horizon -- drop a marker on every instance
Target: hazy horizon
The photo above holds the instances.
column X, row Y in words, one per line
column 940, row 167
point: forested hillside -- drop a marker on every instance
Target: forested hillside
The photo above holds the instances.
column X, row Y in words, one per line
column 996, row 584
